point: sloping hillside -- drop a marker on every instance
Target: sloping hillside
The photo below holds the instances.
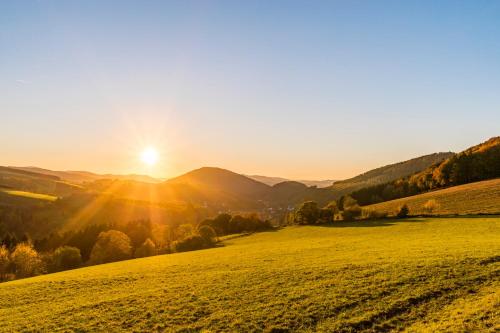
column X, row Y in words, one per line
column 35, row 182
column 211, row 187
column 318, row 183
column 217, row 179
column 222, row 189
column 291, row 193
column 241, row 192
column 474, row 198
column 388, row 173
column 419, row 275
column 477, row 163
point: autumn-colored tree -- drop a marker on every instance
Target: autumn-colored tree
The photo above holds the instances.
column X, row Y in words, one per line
column 26, row 260
column 4, row 261
column 111, row 246
column 431, row 206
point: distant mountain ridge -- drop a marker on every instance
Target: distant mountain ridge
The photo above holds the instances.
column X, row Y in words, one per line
column 24, row 180
column 208, row 191
column 79, row 177
column 218, row 188
column 271, row 181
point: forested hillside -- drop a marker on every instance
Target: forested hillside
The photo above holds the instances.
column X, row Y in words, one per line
column 388, row 173
column 39, row 204
column 23, row 180
column 477, row 163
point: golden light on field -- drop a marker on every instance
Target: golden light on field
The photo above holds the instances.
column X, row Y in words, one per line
column 149, row 156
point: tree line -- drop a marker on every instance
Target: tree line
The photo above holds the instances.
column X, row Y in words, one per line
column 104, row 243
column 344, row 209
column 478, row 163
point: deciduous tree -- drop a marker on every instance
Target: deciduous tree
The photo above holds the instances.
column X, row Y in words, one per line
column 111, row 246
column 147, row 249
column 26, row 260
column 67, row 257
column 4, row 261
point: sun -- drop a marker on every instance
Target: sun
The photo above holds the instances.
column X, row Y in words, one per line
column 149, row 156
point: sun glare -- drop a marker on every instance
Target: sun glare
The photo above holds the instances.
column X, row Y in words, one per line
column 149, row 156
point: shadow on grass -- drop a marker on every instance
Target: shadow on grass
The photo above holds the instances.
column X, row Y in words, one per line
column 246, row 234
column 392, row 221
column 370, row 223
column 474, row 216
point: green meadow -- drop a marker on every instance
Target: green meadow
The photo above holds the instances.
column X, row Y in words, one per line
column 474, row 198
column 413, row 275
column 31, row 195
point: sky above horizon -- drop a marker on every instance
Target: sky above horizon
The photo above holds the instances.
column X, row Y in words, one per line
column 298, row 89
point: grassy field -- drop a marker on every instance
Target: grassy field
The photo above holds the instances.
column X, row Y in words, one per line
column 31, row 195
column 414, row 275
column 474, row 198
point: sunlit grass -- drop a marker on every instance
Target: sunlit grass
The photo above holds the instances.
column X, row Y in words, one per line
column 474, row 198
column 31, row 195
column 360, row 276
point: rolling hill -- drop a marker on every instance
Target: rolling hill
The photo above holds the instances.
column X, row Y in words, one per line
column 23, row 180
column 189, row 197
column 290, row 193
column 79, row 177
column 221, row 180
column 216, row 188
column 417, row 275
column 474, row 198
column 213, row 187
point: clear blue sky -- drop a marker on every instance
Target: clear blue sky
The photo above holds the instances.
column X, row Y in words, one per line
column 300, row 89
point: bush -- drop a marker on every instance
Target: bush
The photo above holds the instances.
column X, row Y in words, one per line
column 308, row 213
column 147, row 249
column 26, row 260
column 236, row 224
column 403, row 212
column 66, row 257
column 190, row 244
column 431, row 206
column 4, row 262
column 351, row 212
column 327, row 213
column 184, row 231
column 47, row 259
column 111, row 246
column 208, row 234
